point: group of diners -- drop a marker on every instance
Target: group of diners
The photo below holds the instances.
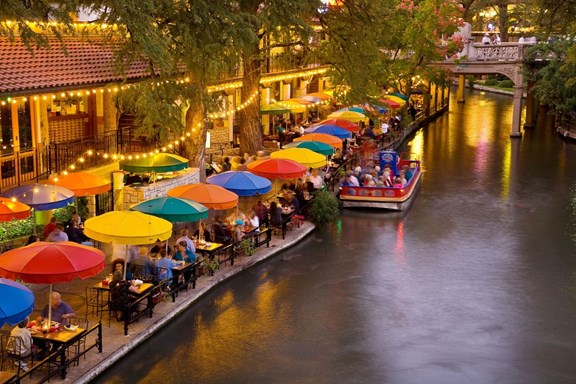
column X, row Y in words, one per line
column 61, row 313
column 72, row 230
column 373, row 175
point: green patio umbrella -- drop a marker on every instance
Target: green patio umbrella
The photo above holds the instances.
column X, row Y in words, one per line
column 157, row 163
column 173, row 209
column 316, row 146
column 273, row 109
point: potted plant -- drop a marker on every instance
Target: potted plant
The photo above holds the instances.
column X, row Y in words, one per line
column 325, row 208
column 247, row 247
column 210, row 265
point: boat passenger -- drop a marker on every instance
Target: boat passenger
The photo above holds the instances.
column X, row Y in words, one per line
column 397, row 182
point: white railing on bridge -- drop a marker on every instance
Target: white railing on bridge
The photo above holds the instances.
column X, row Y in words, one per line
column 495, row 52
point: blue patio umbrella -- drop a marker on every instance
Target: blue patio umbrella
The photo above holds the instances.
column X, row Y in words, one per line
column 17, row 302
column 41, row 197
column 329, row 129
column 242, row 183
column 316, row 146
column 173, row 209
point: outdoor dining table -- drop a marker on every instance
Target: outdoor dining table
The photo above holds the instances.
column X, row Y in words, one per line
column 209, row 249
column 181, row 276
column 62, row 338
column 6, row 376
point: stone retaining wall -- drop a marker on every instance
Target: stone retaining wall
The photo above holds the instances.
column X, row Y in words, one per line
column 134, row 195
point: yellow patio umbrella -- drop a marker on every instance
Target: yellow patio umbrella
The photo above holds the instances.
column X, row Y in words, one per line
column 303, row 156
column 127, row 227
column 352, row 116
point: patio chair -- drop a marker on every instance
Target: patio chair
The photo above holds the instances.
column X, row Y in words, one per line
column 73, row 352
column 11, row 357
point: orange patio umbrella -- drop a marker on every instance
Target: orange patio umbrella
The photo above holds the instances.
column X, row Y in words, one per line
column 322, row 137
column 82, row 183
column 209, row 195
column 13, row 210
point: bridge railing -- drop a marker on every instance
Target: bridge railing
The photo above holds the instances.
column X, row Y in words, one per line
column 494, row 52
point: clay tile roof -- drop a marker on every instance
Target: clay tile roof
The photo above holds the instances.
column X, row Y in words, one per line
column 84, row 63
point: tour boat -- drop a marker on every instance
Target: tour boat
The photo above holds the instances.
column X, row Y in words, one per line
column 391, row 198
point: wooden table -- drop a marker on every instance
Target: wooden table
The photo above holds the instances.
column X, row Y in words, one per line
column 142, row 288
column 210, row 250
column 62, row 340
column 5, row 376
column 181, row 276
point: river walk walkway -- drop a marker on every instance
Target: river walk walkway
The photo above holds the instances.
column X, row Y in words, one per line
column 115, row 343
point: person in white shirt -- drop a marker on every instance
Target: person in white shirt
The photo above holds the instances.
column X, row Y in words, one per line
column 316, row 180
column 184, row 237
column 24, row 347
column 486, row 39
column 57, row 235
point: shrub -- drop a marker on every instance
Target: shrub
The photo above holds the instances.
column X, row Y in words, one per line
column 506, row 84
column 325, row 208
column 491, row 82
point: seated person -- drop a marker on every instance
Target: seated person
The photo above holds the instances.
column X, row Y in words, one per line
column 158, row 246
column 118, row 265
column 22, row 348
column 254, row 220
column 221, row 234
column 61, row 311
column 164, row 266
column 183, row 253
column 275, row 215
column 57, row 234
column 143, row 261
column 122, row 294
column 76, row 234
column 205, row 233
column 262, row 212
column 238, row 230
column 316, row 180
column 48, row 228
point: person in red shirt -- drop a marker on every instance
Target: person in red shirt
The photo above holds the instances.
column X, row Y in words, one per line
column 48, row 228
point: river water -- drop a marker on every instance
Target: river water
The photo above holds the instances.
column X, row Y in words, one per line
column 474, row 284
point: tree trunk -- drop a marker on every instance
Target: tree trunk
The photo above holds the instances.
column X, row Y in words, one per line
column 250, row 130
column 504, row 20
column 196, row 144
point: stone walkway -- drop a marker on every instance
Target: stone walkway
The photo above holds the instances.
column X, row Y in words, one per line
column 115, row 343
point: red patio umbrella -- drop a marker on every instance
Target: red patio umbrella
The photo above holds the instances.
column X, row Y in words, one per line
column 50, row 263
column 390, row 103
column 277, row 168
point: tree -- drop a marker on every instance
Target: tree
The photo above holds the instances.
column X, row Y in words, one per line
column 394, row 43
column 277, row 24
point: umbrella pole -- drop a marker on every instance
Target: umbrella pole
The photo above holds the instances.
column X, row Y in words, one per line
column 125, row 263
column 50, row 307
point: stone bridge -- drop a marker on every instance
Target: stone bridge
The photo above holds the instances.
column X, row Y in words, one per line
column 505, row 59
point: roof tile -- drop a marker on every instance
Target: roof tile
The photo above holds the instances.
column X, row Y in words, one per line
column 83, row 63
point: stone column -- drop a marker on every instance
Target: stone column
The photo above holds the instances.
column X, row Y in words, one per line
column 529, row 122
column 517, row 111
column 460, row 92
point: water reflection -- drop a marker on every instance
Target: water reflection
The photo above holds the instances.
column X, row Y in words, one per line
column 474, row 284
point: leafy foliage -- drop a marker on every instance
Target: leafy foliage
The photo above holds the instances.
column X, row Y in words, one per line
column 552, row 69
column 374, row 45
column 325, row 208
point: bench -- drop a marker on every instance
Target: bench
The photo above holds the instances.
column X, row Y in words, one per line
column 225, row 254
column 263, row 237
